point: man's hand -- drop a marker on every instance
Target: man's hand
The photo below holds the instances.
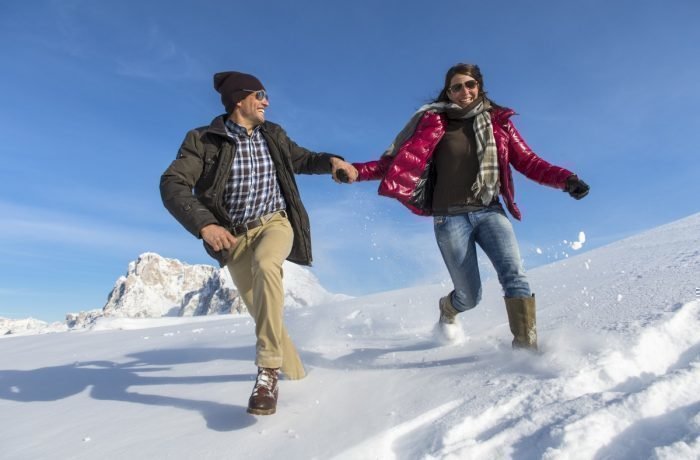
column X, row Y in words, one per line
column 218, row 237
column 338, row 165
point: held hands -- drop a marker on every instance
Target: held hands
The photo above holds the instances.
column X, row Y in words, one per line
column 218, row 237
column 342, row 176
column 576, row 187
column 343, row 171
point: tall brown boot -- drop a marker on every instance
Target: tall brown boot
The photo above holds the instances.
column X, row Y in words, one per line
column 448, row 313
column 263, row 401
column 522, row 320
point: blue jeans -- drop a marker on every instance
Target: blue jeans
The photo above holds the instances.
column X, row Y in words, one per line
column 457, row 237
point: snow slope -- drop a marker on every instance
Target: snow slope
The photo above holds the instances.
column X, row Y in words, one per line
column 618, row 376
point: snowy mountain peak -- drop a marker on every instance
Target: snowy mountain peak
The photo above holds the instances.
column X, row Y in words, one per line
column 28, row 326
column 156, row 286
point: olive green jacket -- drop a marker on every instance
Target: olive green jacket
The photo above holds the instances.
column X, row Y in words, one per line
column 192, row 188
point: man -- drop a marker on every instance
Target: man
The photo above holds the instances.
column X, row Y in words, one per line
column 232, row 185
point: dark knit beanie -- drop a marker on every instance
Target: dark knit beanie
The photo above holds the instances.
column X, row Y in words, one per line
column 231, row 85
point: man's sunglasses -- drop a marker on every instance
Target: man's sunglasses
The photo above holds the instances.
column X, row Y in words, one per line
column 469, row 84
column 259, row 94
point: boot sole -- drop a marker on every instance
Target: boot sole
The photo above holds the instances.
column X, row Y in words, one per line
column 261, row 411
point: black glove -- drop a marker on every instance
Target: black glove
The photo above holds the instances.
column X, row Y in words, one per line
column 342, row 176
column 576, row 187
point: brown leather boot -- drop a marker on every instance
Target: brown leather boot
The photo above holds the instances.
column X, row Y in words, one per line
column 448, row 313
column 263, row 401
column 522, row 320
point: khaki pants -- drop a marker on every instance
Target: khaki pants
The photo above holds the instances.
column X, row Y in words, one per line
column 256, row 268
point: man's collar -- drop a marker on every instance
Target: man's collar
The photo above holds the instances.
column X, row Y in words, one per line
column 235, row 128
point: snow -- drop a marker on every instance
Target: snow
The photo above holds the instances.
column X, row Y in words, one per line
column 578, row 244
column 618, row 375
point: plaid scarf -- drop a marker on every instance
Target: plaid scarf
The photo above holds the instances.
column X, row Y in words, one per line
column 487, row 184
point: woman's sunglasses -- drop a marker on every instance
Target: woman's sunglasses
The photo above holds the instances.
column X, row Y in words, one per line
column 259, row 94
column 469, row 84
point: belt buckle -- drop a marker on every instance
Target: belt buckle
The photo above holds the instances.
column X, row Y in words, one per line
column 245, row 227
column 240, row 229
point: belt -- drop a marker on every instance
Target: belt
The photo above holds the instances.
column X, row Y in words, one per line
column 240, row 229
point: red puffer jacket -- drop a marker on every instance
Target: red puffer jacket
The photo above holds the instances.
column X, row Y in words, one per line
column 401, row 174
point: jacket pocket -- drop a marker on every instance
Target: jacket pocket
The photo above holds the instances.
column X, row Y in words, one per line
column 206, row 179
column 222, row 256
column 208, row 165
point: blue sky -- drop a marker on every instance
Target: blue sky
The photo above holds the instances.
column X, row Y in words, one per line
column 97, row 97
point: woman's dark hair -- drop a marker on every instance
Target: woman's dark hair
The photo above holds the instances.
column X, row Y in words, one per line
column 471, row 70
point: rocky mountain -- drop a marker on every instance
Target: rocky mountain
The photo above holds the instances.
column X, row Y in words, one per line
column 155, row 286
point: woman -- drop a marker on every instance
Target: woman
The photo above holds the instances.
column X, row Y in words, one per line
column 451, row 161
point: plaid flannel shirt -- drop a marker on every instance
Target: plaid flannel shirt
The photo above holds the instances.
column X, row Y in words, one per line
column 252, row 189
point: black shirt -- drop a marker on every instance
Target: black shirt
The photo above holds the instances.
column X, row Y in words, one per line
column 456, row 166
